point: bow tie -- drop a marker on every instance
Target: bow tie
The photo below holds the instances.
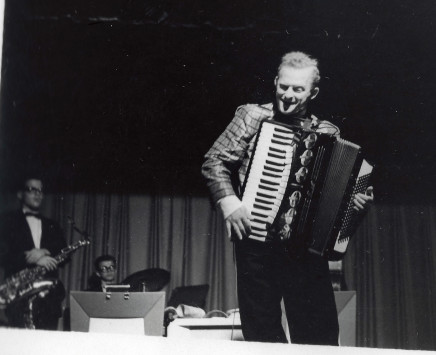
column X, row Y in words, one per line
column 30, row 214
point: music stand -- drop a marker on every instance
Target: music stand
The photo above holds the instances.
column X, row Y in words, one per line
column 118, row 312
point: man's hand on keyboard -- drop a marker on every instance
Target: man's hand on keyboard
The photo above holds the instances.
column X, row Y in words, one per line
column 239, row 221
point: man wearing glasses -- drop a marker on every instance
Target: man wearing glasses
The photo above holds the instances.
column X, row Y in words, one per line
column 105, row 273
column 266, row 273
column 29, row 239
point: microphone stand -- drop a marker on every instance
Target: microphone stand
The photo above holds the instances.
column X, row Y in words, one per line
column 81, row 232
column 84, row 234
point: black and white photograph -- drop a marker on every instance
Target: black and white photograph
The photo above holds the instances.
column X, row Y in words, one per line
column 223, row 177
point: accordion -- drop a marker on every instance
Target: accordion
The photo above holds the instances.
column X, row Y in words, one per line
column 300, row 186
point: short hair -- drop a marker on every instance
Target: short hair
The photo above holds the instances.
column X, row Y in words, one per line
column 105, row 257
column 26, row 178
column 301, row 60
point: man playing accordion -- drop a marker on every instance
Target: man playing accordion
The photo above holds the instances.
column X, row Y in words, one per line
column 267, row 271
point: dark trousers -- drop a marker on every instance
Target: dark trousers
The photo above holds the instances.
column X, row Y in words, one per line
column 266, row 274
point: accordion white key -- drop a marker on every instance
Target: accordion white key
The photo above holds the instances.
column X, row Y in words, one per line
column 300, row 186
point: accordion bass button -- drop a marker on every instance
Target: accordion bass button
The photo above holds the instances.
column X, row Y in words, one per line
column 301, row 174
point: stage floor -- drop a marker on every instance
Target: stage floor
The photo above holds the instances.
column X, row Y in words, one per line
column 38, row 342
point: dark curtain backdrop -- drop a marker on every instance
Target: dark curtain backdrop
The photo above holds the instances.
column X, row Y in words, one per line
column 390, row 261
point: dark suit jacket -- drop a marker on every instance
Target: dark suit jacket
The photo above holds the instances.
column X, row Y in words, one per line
column 16, row 238
column 94, row 283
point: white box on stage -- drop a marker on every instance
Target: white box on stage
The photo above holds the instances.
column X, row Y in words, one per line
column 118, row 312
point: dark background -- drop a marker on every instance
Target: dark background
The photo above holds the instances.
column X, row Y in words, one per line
column 128, row 96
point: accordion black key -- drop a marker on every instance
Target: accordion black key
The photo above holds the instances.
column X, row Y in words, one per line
column 300, row 186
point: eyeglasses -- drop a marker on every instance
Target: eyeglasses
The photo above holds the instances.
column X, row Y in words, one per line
column 33, row 190
column 107, row 268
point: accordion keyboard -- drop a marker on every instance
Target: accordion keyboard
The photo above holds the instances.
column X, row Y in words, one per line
column 268, row 176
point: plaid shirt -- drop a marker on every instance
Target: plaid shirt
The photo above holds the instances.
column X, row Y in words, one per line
column 232, row 151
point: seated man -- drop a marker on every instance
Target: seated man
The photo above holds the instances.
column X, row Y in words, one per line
column 105, row 273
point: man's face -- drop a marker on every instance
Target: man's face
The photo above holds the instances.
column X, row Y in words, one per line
column 294, row 90
column 107, row 271
column 31, row 196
